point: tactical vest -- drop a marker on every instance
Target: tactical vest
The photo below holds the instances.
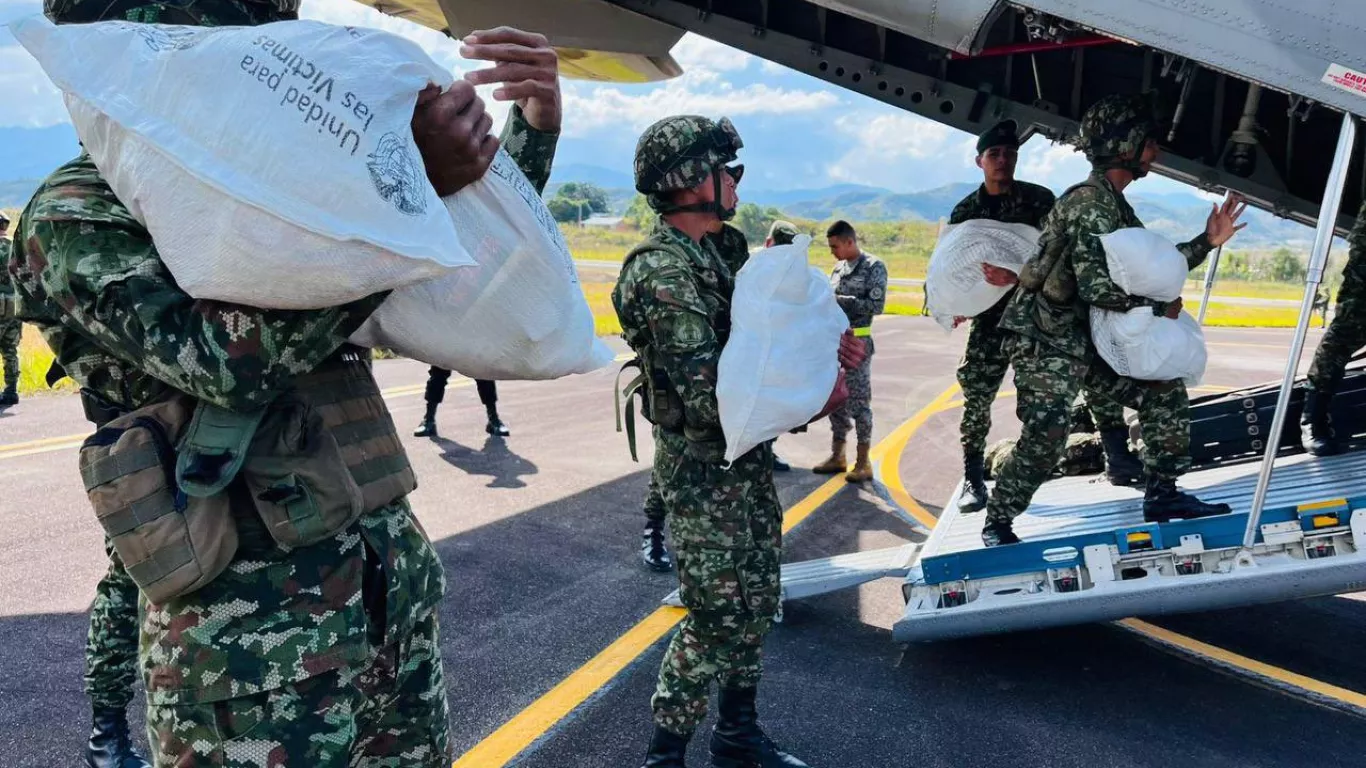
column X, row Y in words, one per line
column 1045, row 273
column 660, row 403
column 168, row 480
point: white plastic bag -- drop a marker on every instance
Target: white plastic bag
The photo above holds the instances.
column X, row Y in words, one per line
column 954, row 284
column 1143, row 346
column 1144, row 263
column 520, row 315
column 274, row 166
column 780, row 364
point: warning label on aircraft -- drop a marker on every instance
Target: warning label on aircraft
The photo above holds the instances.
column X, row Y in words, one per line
column 1346, row 79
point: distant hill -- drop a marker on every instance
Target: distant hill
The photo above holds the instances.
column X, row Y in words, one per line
column 591, row 174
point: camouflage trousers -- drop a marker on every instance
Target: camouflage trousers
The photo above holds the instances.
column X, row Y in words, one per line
column 655, row 511
column 1083, row 454
column 111, row 645
column 1047, row 382
column 391, row 713
column 10, row 331
column 1346, row 334
column 857, row 411
column 725, row 525
column 980, row 374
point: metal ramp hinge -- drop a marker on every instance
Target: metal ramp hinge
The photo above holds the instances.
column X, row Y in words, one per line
column 830, row 574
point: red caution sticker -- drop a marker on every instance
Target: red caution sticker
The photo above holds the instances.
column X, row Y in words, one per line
column 1347, row 79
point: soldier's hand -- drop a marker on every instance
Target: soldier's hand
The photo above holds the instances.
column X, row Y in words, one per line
column 998, row 276
column 1223, row 224
column 1174, row 309
column 528, row 68
column 451, row 130
column 852, row 351
column 958, row 320
column 837, row 398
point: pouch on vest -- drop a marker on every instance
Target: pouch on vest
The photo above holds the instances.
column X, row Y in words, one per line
column 303, row 490
column 659, row 404
column 8, row 306
column 171, row 543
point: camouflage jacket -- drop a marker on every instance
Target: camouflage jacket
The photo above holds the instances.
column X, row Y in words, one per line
column 731, row 245
column 6, row 284
column 89, row 276
column 1081, row 216
column 1023, row 203
column 673, row 301
column 860, row 288
column 1354, row 271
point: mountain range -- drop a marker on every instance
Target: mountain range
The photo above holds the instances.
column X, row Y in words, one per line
column 29, row 154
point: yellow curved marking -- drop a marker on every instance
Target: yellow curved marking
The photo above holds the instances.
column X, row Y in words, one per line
column 888, row 453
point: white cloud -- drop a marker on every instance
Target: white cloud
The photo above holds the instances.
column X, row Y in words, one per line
column 1053, row 165
column 892, row 148
column 695, row 51
column 591, row 109
column 27, row 98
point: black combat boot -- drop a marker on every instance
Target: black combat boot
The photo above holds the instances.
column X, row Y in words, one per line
column 738, row 742
column 653, row 551
column 667, row 749
column 110, row 744
column 495, row 425
column 9, row 397
column 1316, row 426
column 1122, row 467
column 974, row 496
column 1162, row 503
column 779, row 465
column 428, row 426
column 999, row 534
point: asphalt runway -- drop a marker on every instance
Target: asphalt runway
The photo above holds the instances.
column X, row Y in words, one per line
column 553, row 631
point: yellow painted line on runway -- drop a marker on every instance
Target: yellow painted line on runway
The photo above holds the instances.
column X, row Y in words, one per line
column 1230, row 660
column 888, row 453
column 513, row 737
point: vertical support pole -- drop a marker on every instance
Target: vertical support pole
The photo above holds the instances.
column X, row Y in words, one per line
column 1210, row 272
column 1323, row 240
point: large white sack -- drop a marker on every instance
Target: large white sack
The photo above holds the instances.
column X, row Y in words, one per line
column 274, row 166
column 1144, row 263
column 781, row 362
column 954, row 284
column 1143, row 346
column 520, row 315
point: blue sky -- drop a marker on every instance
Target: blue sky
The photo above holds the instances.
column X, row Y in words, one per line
column 799, row 132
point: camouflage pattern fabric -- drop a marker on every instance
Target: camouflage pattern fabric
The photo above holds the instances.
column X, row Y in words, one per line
column 782, row 232
column 1081, row 217
column 111, row 645
column 724, row 523
column 197, row 13
column 1119, row 125
column 680, row 152
column 983, row 366
column 1083, row 454
column 860, row 287
column 1347, row 333
column 725, row 527
column 11, row 331
column 88, row 275
column 389, row 712
column 1105, row 413
column 655, row 511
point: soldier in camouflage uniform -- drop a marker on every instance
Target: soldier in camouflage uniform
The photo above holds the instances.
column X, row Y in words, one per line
column 1083, row 454
column 326, row 654
column 1346, row 334
column 1003, row 198
column 1050, row 344
column 859, row 281
column 733, row 248
column 673, row 300
column 10, row 327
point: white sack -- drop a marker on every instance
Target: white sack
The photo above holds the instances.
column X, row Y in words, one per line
column 1144, row 263
column 520, row 315
column 954, row 284
column 274, row 166
column 1143, row 346
column 781, row 362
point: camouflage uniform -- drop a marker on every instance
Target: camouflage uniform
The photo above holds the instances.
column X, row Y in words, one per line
column 733, row 249
column 983, row 366
column 1083, row 454
column 1347, row 333
column 318, row 655
column 111, row 644
column 860, row 287
column 782, row 232
column 10, row 326
column 1050, row 344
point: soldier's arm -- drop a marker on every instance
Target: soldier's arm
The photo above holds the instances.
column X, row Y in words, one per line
column 533, row 150
column 85, row 254
column 963, row 211
column 875, row 299
column 1091, row 219
column 1196, row 250
column 685, row 342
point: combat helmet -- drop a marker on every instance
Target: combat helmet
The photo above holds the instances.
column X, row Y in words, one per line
column 1119, row 125
column 679, row 153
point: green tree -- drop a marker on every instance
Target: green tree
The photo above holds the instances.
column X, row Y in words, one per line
column 754, row 221
column 575, row 201
column 639, row 214
column 1285, row 267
